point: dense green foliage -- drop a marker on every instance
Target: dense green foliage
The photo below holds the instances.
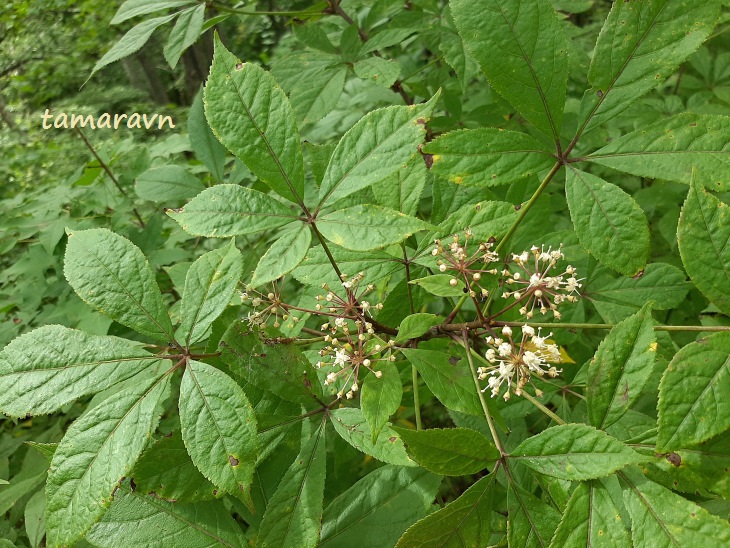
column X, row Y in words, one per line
column 419, row 273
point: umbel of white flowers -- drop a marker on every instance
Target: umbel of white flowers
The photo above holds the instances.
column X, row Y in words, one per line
column 538, row 288
column 515, row 364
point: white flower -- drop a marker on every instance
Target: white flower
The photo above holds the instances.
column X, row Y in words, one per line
column 341, row 357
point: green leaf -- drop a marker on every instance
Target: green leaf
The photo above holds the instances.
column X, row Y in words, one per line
column 485, row 219
column 375, row 147
column 449, row 451
column 207, row 148
column 283, row 256
column 270, row 365
column 440, row 285
column 231, row 210
column 608, row 222
column 316, row 267
column 574, row 452
column 35, row 520
column 487, row 156
column 381, row 397
column 314, row 82
column 209, row 285
column 351, row 426
column 383, row 72
column 18, row 488
column 138, row 520
column 662, row 518
column 591, row 519
column 167, row 184
column 367, row 227
column 130, row 42
column 218, row 427
column 98, row 449
column 112, row 275
column 703, row 467
column 670, row 149
column 620, row 368
column 251, row 116
column 458, row 58
column 523, row 52
column 531, row 521
column 416, row 325
column 703, row 235
column 693, row 404
column 377, row 509
column 53, row 365
column 294, row 513
column 463, row 522
column 184, row 34
column 166, row 471
column 133, row 8
column 404, row 187
column 640, row 45
column 662, row 283
column 453, row 385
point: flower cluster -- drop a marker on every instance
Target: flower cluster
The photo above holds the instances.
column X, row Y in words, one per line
column 537, row 288
column 456, row 257
column 264, row 306
column 352, row 305
column 349, row 352
column 514, row 365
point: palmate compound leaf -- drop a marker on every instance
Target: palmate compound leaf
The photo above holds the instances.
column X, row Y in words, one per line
column 135, row 519
column 374, row 148
column 293, row 516
column 231, row 210
column 592, row 518
column 53, row 365
column 640, row 45
column 487, row 156
column 523, row 51
column 251, row 115
column 112, row 275
column 670, row 149
column 218, row 427
column 620, row 368
column 703, row 236
column 377, row 509
column 97, row 451
column 209, row 285
column 463, row 522
column 693, row 404
column 609, row 223
column 449, row 451
column 660, row 517
column 575, row 452
column 368, row 227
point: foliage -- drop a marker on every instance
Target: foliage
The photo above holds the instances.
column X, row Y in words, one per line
column 394, row 290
